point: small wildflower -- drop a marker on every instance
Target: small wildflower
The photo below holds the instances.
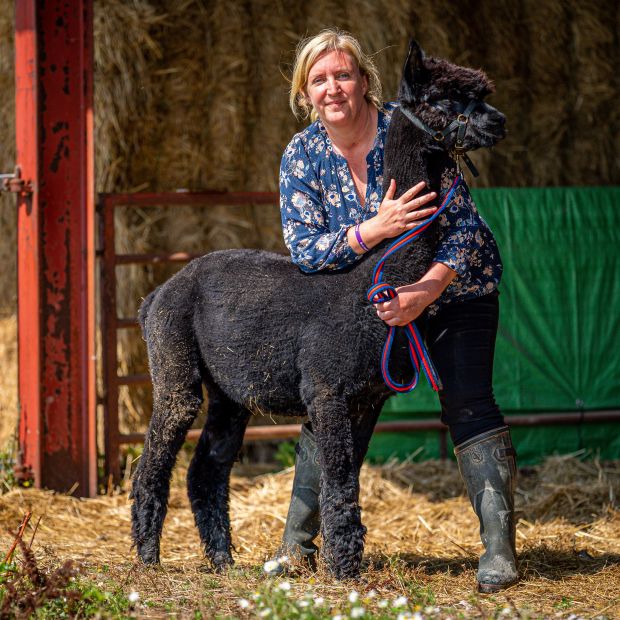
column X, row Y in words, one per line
column 353, row 597
column 338, row 617
column 133, row 597
column 319, row 600
column 372, row 594
column 506, row 611
column 417, row 616
column 382, row 603
column 401, row 601
column 404, row 616
column 255, row 596
column 357, row 612
column 264, row 613
column 431, row 610
column 303, row 603
column 271, row 567
column 285, row 586
column 243, row 603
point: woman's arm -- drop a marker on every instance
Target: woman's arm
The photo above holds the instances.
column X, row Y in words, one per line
column 313, row 246
column 412, row 299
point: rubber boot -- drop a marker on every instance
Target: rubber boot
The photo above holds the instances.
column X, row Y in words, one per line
column 488, row 466
column 303, row 520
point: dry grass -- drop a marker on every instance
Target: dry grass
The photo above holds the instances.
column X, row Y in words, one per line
column 422, row 541
column 192, row 94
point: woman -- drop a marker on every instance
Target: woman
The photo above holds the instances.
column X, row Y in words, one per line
column 333, row 213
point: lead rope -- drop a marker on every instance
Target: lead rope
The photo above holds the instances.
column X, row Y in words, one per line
column 381, row 291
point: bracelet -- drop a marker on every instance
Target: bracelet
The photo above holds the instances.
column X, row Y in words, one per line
column 358, row 236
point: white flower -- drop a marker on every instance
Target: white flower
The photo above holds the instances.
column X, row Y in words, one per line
column 285, row 586
column 271, row 567
column 263, row 613
column 243, row 603
column 401, row 601
column 382, row 603
column 353, row 597
column 255, row 596
column 372, row 594
column 506, row 611
column 319, row 600
column 431, row 610
column 133, row 597
column 404, row 616
column 357, row 612
column 303, row 603
column 338, row 617
column 417, row 616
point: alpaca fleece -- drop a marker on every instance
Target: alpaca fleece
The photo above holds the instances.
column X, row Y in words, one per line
column 263, row 337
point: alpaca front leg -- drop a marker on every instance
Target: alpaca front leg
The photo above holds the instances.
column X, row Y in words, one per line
column 341, row 525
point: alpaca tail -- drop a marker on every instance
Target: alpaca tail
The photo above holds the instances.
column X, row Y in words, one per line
column 144, row 310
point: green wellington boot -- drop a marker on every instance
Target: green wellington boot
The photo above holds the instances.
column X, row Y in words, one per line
column 303, row 520
column 488, row 466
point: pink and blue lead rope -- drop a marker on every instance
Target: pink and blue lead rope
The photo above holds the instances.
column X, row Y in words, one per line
column 381, row 291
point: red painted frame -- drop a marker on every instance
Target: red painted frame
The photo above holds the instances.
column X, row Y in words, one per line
column 56, row 251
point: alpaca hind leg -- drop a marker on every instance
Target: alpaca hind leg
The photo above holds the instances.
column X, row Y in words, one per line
column 341, row 525
column 175, row 406
column 209, row 475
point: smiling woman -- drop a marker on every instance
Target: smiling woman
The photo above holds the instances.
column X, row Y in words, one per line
column 336, row 207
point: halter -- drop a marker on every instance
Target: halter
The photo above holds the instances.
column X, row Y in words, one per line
column 460, row 124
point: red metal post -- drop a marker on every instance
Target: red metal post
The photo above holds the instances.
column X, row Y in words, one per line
column 54, row 121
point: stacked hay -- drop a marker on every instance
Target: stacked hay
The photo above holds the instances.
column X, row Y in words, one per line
column 8, row 216
column 193, row 94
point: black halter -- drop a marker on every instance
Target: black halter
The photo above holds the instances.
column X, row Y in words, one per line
column 459, row 123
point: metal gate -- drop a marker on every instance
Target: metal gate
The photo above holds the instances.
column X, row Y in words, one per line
column 111, row 323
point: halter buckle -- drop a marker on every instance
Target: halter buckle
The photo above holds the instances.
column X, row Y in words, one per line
column 439, row 137
column 461, row 118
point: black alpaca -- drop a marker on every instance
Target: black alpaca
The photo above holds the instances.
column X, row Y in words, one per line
column 265, row 338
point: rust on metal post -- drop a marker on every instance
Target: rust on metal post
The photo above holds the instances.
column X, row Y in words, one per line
column 56, row 246
column 28, row 242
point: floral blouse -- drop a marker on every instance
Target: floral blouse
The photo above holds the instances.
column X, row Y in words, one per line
column 319, row 203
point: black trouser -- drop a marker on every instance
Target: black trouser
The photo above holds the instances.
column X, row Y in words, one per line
column 461, row 342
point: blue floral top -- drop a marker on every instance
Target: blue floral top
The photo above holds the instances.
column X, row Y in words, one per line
column 319, row 203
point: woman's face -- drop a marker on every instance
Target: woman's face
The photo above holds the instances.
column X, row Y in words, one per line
column 336, row 88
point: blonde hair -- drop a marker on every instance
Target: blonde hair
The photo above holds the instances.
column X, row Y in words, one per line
column 308, row 52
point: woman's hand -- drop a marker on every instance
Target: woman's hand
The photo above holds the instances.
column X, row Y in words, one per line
column 394, row 216
column 412, row 299
column 397, row 216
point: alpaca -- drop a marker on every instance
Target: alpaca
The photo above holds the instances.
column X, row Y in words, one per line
column 263, row 337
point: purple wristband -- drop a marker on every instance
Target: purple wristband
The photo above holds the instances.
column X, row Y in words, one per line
column 360, row 240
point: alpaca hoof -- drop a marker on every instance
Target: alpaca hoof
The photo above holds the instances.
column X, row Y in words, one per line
column 149, row 554
column 221, row 561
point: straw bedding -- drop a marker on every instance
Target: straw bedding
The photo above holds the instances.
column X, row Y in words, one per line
column 422, row 536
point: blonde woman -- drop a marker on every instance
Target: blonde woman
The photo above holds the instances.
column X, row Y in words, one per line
column 333, row 212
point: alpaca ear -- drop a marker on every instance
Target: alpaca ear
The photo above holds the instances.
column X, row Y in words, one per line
column 412, row 72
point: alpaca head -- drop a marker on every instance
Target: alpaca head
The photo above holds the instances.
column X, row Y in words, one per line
column 436, row 92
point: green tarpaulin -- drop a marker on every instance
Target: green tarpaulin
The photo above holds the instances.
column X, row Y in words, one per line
column 558, row 347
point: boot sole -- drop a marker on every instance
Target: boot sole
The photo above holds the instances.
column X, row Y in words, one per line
column 492, row 588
